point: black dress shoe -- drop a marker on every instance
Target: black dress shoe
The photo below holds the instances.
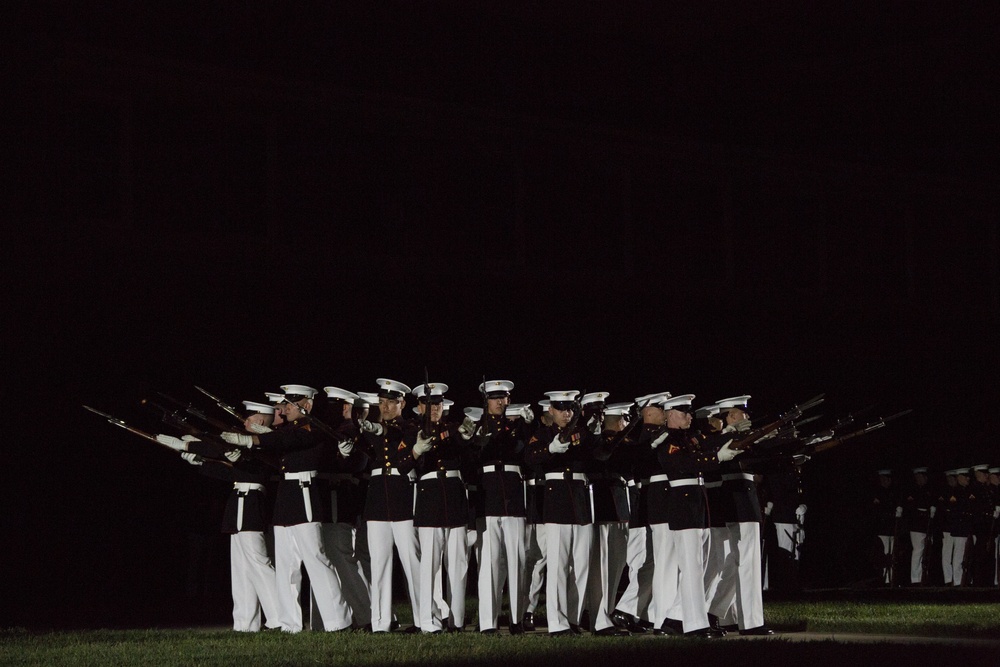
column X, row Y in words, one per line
column 516, row 629
column 704, row 633
column 528, row 621
column 410, row 630
column 646, row 625
column 627, row 622
column 713, row 622
column 393, row 625
column 452, row 629
column 490, row 631
column 731, row 628
column 670, row 627
column 575, row 629
column 760, row 631
column 431, row 632
column 613, row 632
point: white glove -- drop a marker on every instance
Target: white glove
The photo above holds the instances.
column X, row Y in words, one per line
column 899, row 511
column 369, row 427
column 192, row 458
column 467, row 429
column 527, row 414
column 933, row 511
column 345, row 447
column 594, row 425
column 238, row 439
column 422, row 445
column 233, row 455
column 800, row 514
column 558, row 447
column 190, row 438
column 996, row 512
column 742, row 426
column 170, row 441
column 259, row 428
column 768, row 508
column 659, row 440
column 727, row 453
column 799, row 459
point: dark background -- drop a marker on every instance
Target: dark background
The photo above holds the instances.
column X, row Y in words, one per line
column 778, row 199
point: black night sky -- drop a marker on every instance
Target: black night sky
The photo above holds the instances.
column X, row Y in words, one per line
column 778, row 199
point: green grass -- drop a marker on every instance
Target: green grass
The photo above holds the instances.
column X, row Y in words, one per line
column 155, row 647
column 970, row 620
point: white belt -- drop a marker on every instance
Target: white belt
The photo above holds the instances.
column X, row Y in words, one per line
column 242, row 489
column 385, row 471
column 690, row 481
column 632, row 482
column 304, row 478
column 656, row 478
column 713, row 485
column 532, row 482
column 506, row 468
column 578, row 476
column 438, row 473
column 728, row 477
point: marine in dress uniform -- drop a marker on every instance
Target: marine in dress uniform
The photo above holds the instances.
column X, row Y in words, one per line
column 786, row 507
column 244, row 519
column 741, row 506
column 500, row 443
column 981, row 507
column 960, row 526
column 611, row 514
column 534, row 550
column 944, row 502
column 563, row 453
column 887, row 511
column 388, row 510
column 918, row 511
column 441, row 515
column 300, row 509
column 346, row 500
column 633, row 611
column 683, row 457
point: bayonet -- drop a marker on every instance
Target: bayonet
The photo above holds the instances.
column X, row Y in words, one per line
column 122, row 424
column 222, row 404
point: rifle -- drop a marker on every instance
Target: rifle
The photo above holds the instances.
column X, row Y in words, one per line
column 636, row 422
column 191, row 410
column 178, row 421
column 427, row 405
column 925, row 561
column 130, row 429
column 893, row 550
column 823, row 445
column 222, row 404
column 783, row 419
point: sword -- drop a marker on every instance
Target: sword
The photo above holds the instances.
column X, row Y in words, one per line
column 130, row 429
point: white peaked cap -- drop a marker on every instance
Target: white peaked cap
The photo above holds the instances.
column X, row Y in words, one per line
column 436, row 389
column 594, row 397
column 544, row 403
column 677, row 401
column 274, row 397
column 491, row 386
column 475, row 414
column 617, row 408
column 561, row 396
column 342, row 394
column 387, row 386
column 707, row 411
column 652, row 399
column 733, row 402
column 262, row 408
column 370, row 398
column 514, row 409
column 298, row 390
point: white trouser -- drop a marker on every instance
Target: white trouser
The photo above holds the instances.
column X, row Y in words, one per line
column 451, row 547
column 917, row 556
column 534, row 565
column 339, row 540
column 299, row 545
column 382, row 536
column 957, row 557
column 887, row 544
column 639, row 559
column 947, row 553
column 665, row 580
column 502, row 540
column 689, row 545
column 718, row 564
column 607, row 560
column 567, row 547
column 253, row 582
column 749, row 600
